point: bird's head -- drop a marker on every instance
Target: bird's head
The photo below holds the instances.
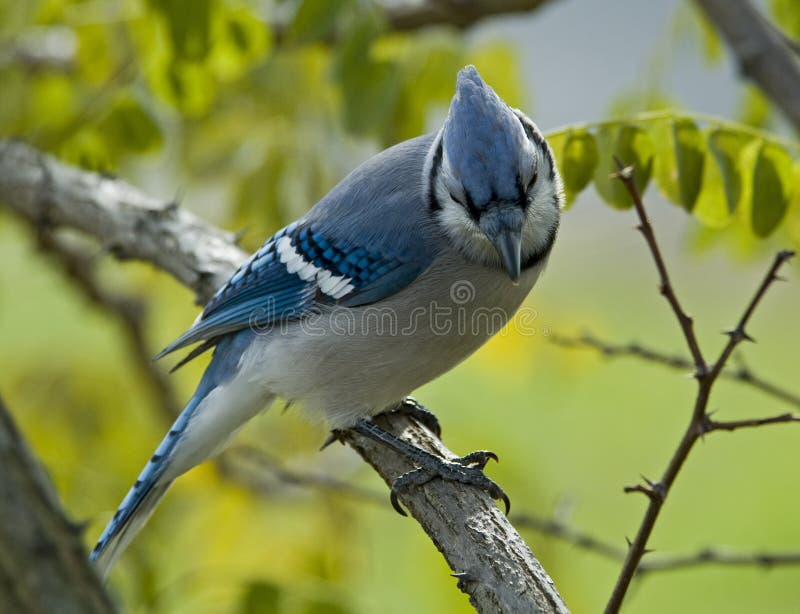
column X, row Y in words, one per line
column 492, row 181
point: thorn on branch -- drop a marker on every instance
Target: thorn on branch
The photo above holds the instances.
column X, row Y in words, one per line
column 464, row 578
column 738, row 335
column 624, row 173
column 654, row 491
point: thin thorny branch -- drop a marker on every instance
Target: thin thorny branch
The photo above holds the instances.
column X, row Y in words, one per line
column 666, row 289
column 710, row 425
column 706, row 376
column 740, row 373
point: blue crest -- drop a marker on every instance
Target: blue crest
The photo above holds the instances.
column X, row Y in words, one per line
column 483, row 141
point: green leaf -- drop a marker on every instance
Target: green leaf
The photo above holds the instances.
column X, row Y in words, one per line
column 772, row 188
column 240, row 41
column 370, row 86
column 261, row 598
column 631, row 145
column 315, row 19
column 787, row 15
column 727, row 146
column 793, row 215
column 129, row 127
column 189, row 23
column 577, row 161
column 426, row 68
column 723, row 175
column 679, row 161
column 754, row 108
column 324, row 606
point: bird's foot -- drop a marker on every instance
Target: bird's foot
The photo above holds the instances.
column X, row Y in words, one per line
column 465, row 470
column 421, row 414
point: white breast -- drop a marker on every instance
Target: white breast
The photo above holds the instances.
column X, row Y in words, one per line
column 353, row 362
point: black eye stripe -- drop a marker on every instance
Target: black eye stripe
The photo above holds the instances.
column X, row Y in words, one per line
column 433, row 203
column 474, row 212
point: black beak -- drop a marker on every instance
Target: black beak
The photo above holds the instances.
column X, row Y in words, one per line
column 508, row 244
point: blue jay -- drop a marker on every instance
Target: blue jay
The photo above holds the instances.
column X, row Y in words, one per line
column 344, row 311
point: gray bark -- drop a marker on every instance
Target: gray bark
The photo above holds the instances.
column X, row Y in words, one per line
column 43, row 565
column 763, row 53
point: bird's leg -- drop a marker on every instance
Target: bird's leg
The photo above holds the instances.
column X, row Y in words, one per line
column 418, row 412
column 466, row 470
column 409, row 407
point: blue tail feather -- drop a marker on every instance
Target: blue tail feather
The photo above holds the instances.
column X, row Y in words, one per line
column 158, row 474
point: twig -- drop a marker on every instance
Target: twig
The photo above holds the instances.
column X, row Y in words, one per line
column 609, row 349
column 705, row 376
column 558, row 530
column 708, row 556
column 710, row 425
column 714, row 556
column 666, row 289
column 247, row 466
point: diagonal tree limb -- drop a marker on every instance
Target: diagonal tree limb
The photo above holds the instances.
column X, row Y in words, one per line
column 126, row 222
column 461, row 14
column 494, row 565
column 43, row 565
column 410, row 16
column 761, row 50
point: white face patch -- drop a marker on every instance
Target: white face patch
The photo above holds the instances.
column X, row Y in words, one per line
column 541, row 214
column 335, row 286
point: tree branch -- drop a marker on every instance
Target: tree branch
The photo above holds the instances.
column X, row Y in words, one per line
column 461, row 14
column 127, row 222
column 43, row 565
column 667, row 291
column 761, row 50
column 710, row 425
column 657, row 492
column 494, row 565
column 741, row 373
column 715, row 556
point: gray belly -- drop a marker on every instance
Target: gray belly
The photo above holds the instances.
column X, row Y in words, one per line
column 350, row 362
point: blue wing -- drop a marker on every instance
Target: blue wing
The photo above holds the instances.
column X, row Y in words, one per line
column 296, row 271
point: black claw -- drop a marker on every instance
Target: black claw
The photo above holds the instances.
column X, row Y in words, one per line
column 421, row 414
column 477, row 459
column 396, row 503
column 332, row 438
column 506, row 501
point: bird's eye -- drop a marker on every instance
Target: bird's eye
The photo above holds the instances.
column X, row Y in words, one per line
column 531, row 182
column 458, row 200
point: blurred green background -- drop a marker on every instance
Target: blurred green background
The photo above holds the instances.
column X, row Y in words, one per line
column 249, row 111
